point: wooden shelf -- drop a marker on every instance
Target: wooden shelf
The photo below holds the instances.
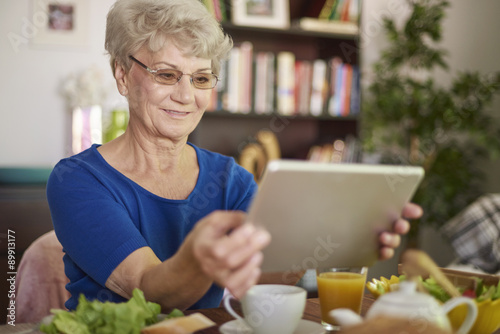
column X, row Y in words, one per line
column 292, row 31
column 227, row 132
column 226, row 113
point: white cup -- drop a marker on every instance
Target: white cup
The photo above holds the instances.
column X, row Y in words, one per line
column 271, row 308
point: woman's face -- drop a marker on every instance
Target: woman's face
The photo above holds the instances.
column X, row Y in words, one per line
column 166, row 111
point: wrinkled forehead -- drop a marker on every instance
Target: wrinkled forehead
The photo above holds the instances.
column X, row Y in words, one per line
column 171, row 56
column 185, row 44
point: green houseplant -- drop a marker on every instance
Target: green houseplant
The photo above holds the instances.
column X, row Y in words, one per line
column 409, row 119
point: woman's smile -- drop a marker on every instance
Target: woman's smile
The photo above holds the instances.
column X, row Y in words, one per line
column 176, row 114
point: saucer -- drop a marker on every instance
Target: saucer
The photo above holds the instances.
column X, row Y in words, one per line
column 239, row 327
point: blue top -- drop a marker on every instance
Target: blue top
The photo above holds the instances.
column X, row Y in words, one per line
column 100, row 217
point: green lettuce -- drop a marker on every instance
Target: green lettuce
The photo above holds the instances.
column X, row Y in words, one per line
column 95, row 317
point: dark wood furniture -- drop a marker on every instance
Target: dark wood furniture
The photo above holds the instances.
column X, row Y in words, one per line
column 218, row 315
column 226, row 132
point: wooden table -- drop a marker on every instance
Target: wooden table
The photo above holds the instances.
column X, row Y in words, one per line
column 312, row 312
column 218, row 315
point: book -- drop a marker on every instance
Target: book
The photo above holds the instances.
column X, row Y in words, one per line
column 271, row 82
column 319, row 87
column 285, row 83
column 352, row 150
column 346, row 85
column 246, row 75
column 232, row 100
column 210, row 6
column 355, row 92
column 303, row 87
column 221, row 87
column 334, row 108
column 327, row 9
column 314, row 8
column 220, row 10
column 354, row 10
column 264, row 83
column 328, row 26
column 335, row 66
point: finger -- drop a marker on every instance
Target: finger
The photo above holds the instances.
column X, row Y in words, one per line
column 386, row 253
column 390, row 240
column 222, row 222
column 214, row 228
column 244, row 250
column 245, row 277
column 401, row 226
column 241, row 244
column 412, row 211
column 238, row 237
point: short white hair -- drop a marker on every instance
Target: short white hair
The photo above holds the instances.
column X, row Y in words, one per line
column 133, row 24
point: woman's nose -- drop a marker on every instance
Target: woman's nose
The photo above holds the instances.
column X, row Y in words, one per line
column 184, row 90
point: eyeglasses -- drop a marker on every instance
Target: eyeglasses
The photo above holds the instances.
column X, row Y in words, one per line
column 167, row 76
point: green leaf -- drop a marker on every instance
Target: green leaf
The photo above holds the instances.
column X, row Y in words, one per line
column 436, row 290
column 106, row 318
column 488, row 294
column 496, row 295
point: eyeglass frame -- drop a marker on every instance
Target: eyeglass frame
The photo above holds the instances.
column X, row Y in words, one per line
column 155, row 74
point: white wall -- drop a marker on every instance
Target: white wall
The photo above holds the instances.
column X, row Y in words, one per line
column 34, row 123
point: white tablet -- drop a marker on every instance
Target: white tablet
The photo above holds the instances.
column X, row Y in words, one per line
column 326, row 215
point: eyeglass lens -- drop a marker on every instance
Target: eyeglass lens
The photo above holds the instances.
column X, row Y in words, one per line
column 199, row 80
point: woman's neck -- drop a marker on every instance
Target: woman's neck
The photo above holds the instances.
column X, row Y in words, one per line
column 167, row 169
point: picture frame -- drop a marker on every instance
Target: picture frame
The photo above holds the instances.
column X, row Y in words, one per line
column 261, row 13
column 61, row 23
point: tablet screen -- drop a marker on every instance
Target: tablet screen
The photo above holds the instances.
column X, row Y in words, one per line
column 326, row 215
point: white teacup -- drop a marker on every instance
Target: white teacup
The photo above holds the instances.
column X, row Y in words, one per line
column 271, row 308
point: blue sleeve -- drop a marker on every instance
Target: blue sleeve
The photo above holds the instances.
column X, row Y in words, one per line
column 242, row 188
column 94, row 228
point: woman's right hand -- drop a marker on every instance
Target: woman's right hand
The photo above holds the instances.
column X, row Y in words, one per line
column 229, row 250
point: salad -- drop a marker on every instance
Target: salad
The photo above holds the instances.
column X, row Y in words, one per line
column 106, row 318
column 480, row 292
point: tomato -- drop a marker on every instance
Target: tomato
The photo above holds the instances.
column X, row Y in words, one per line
column 469, row 293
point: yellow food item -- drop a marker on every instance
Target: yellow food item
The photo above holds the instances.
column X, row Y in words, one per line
column 379, row 287
column 180, row 325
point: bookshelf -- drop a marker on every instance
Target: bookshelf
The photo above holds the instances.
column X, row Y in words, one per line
column 227, row 131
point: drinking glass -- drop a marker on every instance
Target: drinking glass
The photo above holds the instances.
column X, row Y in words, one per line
column 340, row 288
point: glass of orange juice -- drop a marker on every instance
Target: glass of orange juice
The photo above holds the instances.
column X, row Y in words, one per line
column 340, row 288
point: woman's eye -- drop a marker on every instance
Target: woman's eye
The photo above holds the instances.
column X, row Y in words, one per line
column 201, row 78
column 167, row 75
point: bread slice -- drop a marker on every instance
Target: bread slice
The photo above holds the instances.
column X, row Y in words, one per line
column 182, row 325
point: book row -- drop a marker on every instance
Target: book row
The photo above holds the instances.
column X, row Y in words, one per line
column 331, row 10
column 265, row 83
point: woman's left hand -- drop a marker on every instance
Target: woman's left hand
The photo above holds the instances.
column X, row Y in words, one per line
column 389, row 241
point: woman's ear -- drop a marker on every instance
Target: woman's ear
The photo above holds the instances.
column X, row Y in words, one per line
column 121, row 78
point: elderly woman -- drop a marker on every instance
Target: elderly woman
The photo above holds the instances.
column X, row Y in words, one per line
column 149, row 210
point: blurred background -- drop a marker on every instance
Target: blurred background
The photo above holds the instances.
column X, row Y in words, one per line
column 36, row 118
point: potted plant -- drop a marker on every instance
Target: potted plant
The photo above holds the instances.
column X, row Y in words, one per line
column 409, row 119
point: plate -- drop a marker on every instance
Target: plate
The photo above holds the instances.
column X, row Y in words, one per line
column 239, row 327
